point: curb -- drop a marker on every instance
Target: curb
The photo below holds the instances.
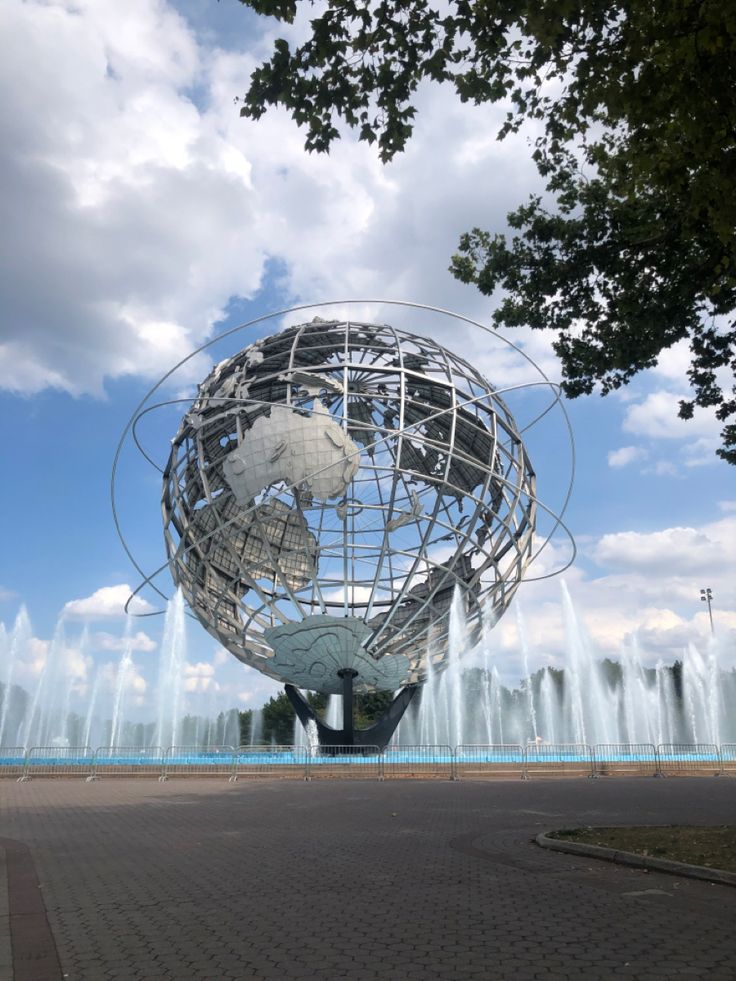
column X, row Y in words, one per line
column 632, row 860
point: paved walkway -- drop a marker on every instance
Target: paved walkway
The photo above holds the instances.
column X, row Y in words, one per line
column 198, row 879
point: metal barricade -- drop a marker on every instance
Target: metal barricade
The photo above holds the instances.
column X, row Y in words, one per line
column 492, row 760
column 128, row 761
column 193, row 761
column 270, row 761
column 689, row 759
column 558, row 760
column 12, row 761
column 728, row 758
column 419, row 762
column 58, row 761
column 343, row 763
column 629, row 759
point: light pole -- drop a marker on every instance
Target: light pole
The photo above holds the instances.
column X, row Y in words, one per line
column 706, row 596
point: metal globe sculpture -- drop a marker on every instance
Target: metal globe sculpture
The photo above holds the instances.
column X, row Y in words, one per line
column 330, row 493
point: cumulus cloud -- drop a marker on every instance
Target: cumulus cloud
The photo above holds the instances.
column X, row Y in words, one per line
column 136, row 220
column 625, row 455
column 33, row 659
column 105, row 603
column 672, row 551
column 656, row 417
column 674, row 361
column 69, row 661
column 133, row 680
column 200, row 677
column 139, row 641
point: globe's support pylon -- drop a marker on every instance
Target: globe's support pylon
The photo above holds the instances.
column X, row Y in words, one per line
column 379, row 734
column 347, row 675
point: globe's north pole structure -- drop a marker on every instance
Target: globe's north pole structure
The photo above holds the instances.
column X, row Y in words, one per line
column 331, row 491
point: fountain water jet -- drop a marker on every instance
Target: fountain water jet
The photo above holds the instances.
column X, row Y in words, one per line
column 171, row 671
column 14, row 643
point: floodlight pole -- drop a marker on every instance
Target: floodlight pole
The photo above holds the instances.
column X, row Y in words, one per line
column 706, row 595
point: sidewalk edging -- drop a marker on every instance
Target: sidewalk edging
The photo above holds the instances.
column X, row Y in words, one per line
column 633, row 860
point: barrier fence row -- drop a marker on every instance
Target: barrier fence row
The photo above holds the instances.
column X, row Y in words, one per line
column 370, row 763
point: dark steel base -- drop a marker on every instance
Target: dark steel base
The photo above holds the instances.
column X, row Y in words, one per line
column 379, row 734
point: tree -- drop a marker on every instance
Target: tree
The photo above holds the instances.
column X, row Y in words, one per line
column 370, row 707
column 245, row 719
column 279, row 717
column 278, row 720
column 633, row 246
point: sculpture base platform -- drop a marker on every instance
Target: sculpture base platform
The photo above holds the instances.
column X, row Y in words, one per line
column 349, row 738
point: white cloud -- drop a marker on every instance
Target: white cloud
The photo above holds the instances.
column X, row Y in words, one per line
column 69, row 660
column 33, row 659
column 663, row 468
column 135, row 212
column 199, row 677
column 673, row 551
column 701, row 452
column 656, row 417
column 106, row 602
column 139, row 641
column 133, row 680
column 625, row 455
column 673, row 362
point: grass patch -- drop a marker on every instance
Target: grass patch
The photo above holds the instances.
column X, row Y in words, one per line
column 713, row 848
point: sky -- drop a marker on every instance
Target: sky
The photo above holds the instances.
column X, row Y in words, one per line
column 142, row 217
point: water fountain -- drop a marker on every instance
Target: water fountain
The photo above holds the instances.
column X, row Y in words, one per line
column 584, row 700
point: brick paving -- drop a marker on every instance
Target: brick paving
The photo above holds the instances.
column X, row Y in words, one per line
column 414, row 881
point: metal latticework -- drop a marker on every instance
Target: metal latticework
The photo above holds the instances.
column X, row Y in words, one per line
column 355, row 474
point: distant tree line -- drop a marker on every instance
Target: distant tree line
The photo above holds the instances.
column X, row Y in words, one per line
column 274, row 723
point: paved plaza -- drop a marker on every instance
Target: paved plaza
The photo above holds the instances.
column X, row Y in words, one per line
column 414, row 881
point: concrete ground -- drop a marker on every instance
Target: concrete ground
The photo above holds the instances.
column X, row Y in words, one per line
column 414, row 881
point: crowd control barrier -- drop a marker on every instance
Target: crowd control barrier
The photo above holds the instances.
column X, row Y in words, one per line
column 58, row 761
column 12, row 760
column 558, row 760
column 269, row 761
column 494, row 760
column 471, row 762
column 728, row 758
column 424, row 762
column 689, row 759
column 127, row 761
column 629, row 759
column 193, row 761
column 343, row 763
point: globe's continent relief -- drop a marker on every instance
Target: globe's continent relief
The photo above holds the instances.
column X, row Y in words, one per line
column 311, row 453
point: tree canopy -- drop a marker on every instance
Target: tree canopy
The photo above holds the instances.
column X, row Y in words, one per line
column 632, row 247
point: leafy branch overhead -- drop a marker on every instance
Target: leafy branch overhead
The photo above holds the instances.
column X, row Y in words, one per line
column 633, row 247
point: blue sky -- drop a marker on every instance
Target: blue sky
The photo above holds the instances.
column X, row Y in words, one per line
column 142, row 217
